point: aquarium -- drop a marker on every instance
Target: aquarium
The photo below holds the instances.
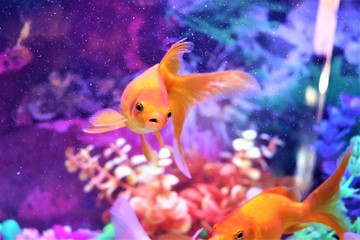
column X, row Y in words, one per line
column 167, row 119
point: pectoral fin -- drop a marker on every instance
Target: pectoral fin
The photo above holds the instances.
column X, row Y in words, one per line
column 100, row 129
column 104, row 121
column 106, row 117
column 148, row 152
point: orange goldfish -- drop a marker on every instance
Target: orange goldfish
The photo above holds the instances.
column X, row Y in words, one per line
column 161, row 92
column 277, row 211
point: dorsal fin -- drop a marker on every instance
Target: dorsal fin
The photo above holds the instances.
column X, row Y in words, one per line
column 171, row 62
column 284, row 191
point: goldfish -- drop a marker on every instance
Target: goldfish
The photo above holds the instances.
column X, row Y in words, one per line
column 159, row 93
column 277, row 211
column 127, row 225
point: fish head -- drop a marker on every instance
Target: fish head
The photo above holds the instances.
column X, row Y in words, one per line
column 234, row 229
column 149, row 112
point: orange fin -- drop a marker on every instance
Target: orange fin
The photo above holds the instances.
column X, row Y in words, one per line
column 296, row 228
column 106, row 117
column 185, row 91
column 179, row 160
column 284, row 191
column 324, row 202
column 171, row 62
column 148, row 152
column 158, row 136
column 100, row 129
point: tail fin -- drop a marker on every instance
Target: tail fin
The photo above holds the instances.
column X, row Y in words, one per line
column 185, row 91
column 189, row 89
column 324, row 202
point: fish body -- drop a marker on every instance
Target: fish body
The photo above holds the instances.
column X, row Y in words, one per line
column 152, row 95
column 278, row 211
column 160, row 93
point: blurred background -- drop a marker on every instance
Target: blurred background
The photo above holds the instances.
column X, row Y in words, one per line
column 61, row 61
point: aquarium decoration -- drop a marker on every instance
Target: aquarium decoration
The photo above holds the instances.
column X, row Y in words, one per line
column 15, row 58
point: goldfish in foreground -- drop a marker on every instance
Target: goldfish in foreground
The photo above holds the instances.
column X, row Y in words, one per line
column 128, row 227
column 160, row 93
column 278, row 211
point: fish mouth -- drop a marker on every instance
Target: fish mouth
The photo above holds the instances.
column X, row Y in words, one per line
column 153, row 120
column 156, row 123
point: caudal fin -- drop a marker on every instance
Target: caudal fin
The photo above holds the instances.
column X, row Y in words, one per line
column 185, row 91
column 325, row 203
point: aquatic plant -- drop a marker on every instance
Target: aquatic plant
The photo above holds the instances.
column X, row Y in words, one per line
column 334, row 130
column 224, row 25
column 166, row 203
column 350, row 195
column 144, row 183
column 119, row 171
column 333, row 133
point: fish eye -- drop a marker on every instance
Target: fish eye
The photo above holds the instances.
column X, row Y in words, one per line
column 169, row 114
column 139, row 107
column 239, row 235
